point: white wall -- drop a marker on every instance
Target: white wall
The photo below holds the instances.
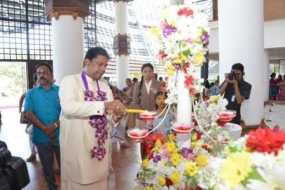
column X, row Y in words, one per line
column 214, row 37
column 274, row 35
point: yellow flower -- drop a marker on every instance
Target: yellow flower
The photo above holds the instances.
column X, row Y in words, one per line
column 173, row 23
column 161, row 181
column 155, row 31
column 157, row 146
column 158, row 143
column 192, row 169
column 145, row 163
column 198, row 59
column 175, row 159
column 236, row 167
column 202, row 160
column 171, row 147
column 170, row 70
column 156, row 149
column 148, row 188
column 197, row 144
column 194, row 137
column 181, row 58
column 175, row 177
column 171, row 137
column 214, row 99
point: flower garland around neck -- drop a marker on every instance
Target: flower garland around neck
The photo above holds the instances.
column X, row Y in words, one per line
column 99, row 122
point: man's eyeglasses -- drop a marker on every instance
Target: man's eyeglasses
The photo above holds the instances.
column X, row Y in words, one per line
column 43, row 73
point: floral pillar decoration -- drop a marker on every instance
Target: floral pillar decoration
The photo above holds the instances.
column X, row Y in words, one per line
column 183, row 36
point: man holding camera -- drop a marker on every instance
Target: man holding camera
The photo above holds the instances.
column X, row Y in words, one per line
column 235, row 90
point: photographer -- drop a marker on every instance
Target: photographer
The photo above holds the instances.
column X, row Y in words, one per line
column 235, row 90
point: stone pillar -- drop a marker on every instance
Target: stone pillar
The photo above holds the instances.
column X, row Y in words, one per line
column 266, row 75
column 241, row 40
column 67, row 19
column 121, row 42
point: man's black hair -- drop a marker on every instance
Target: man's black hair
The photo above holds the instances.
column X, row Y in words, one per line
column 238, row 66
column 44, row 64
column 94, row 52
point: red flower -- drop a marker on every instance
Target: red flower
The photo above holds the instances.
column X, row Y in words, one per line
column 221, row 123
column 206, row 98
column 265, row 140
column 187, row 65
column 192, row 90
column 189, row 80
column 185, row 11
column 160, row 56
column 197, row 95
column 205, row 147
column 199, row 135
column 168, row 182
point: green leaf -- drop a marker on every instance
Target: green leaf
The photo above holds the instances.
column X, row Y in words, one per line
column 186, row 52
column 253, row 175
column 233, row 148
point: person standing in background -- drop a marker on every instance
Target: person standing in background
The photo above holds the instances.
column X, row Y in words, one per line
column 165, row 127
column 144, row 92
column 29, row 126
column 214, row 90
column 42, row 109
column 144, row 96
column 235, row 90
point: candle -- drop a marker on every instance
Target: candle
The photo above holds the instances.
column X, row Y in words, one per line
column 134, row 111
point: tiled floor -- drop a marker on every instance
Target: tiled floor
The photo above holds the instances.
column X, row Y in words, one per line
column 126, row 161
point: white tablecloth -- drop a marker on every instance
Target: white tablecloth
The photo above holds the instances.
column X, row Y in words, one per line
column 274, row 115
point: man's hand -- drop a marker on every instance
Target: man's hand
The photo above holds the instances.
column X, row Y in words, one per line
column 233, row 81
column 117, row 106
column 116, row 118
column 49, row 130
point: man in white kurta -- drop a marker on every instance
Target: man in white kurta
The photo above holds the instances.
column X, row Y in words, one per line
column 79, row 171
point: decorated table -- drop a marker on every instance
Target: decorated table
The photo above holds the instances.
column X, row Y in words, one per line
column 204, row 150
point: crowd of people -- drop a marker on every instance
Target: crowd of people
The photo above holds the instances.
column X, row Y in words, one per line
column 75, row 124
column 276, row 87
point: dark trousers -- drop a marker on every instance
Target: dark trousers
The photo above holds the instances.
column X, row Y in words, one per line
column 46, row 153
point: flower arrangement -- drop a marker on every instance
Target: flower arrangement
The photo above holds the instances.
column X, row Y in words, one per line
column 207, row 110
column 254, row 162
column 169, row 167
column 183, row 37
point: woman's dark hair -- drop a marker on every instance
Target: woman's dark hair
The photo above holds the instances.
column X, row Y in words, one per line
column 273, row 75
column 143, row 67
column 44, row 64
column 159, row 93
column 94, row 52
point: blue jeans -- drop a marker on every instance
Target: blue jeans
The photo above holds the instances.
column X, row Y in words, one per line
column 46, row 152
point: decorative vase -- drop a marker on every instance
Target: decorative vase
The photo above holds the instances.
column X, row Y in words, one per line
column 184, row 104
column 184, row 109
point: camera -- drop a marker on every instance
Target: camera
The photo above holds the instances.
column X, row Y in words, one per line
column 231, row 75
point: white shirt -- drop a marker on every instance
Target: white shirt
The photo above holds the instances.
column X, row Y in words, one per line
column 148, row 85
